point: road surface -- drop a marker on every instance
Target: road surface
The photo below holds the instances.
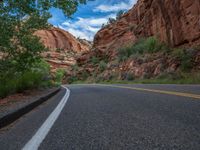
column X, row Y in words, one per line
column 111, row 117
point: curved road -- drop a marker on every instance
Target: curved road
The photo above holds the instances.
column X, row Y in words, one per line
column 117, row 117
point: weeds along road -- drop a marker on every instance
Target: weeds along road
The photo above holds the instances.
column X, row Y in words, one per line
column 111, row 117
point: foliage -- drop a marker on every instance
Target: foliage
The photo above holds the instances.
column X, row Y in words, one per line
column 84, row 75
column 72, row 79
column 37, row 76
column 186, row 62
column 95, row 60
column 18, row 21
column 102, row 65
column 20, row 50
column 111, row 20
column 152, row 45
column 59, row 75
column 120, row 14
column 130, row 77
column 149, row 45
column 103, row 26
column 75, row 67
column 185, row 58
column 179, row 78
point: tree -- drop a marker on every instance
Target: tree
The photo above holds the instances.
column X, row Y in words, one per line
column 20, row 50
column 120, row 14
column 19, row 19
column 111, row 20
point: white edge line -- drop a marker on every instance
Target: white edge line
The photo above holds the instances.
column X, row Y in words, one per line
column 36, row 140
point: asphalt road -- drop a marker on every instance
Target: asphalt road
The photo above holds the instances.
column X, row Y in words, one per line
column 96, row 117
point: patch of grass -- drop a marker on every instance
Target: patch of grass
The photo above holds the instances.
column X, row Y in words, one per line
column 170, row 78
column 183, row 78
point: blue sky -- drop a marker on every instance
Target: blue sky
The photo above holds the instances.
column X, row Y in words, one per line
column 90, row 17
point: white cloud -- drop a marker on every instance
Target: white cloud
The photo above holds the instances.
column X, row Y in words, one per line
column 116, row 7
column 85, row 27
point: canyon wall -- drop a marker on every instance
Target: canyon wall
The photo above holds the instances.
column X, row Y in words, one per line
column 175, row 22
column 63, row 47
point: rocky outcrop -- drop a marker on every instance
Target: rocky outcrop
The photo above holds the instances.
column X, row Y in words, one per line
column 63, row 47
column 175, row 22
column 56, row 38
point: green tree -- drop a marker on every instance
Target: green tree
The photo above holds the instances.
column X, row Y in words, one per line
column 120, row 14
column 20, row 50
column 111, row 20
column 19, row 19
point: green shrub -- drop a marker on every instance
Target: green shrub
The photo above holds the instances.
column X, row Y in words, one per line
column 94, row 60
column 75, row 67
column 177, row 53
column 120, row 14
column 129, row 77
column 152, row 45
column 59, row 75
column 21, row 82
column 72, row 79
column 102, row 65
column 149, row 45
column 186, row 63
column 7, row 87
column 84, row 75
column 125, row 52
column 185, row 58
column 35, row 77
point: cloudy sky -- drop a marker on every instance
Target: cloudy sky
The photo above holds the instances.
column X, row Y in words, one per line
column 90, row 17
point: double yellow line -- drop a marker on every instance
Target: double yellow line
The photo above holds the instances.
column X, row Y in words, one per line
column 195, row 96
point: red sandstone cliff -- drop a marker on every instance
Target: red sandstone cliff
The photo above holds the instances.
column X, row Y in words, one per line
column 56, row 38
column 176, row 22
column 62, row 47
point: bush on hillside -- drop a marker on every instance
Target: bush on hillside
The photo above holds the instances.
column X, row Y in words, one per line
column 185, row 58
column 149, row 45
column 95, row 60
column 102, row 65
column 72, row 79
column 120, row 14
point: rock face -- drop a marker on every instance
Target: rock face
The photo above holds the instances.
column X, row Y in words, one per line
column 63, row 47
column 56, row 38
column 176, row 22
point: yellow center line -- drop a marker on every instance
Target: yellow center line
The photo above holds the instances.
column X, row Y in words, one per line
column 196, row 96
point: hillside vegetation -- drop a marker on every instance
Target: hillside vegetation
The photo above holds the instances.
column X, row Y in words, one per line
column 21, row 64
column 146, row 61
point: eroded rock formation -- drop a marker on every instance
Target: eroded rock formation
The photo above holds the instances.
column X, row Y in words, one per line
column 63, row 47
column 176, row 22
